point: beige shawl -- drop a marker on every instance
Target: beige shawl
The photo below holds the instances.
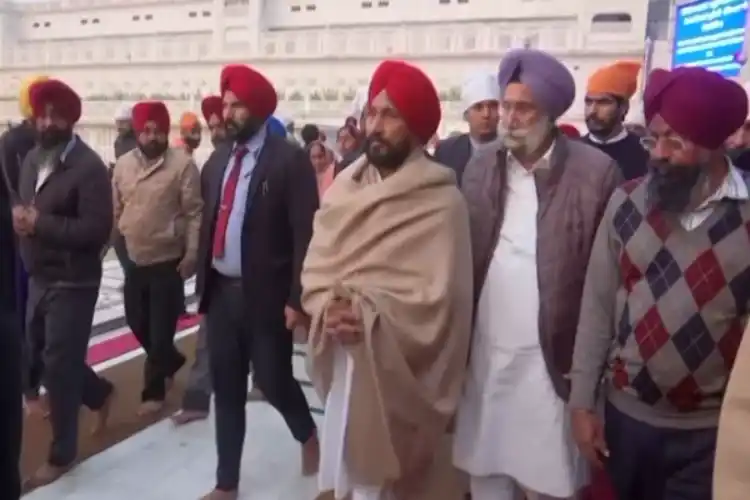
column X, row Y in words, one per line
column 732, row 466
column 399, row 249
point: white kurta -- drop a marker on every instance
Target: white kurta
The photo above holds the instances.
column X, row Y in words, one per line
column 332, row 475
column 510, row 421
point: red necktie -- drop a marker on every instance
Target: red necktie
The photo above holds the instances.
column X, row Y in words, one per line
column 227, row 202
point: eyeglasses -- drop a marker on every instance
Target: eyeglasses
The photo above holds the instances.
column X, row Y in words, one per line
column 671, row 144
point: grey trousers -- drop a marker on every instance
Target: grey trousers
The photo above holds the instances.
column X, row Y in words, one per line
column 198, row 392
column 58, row 326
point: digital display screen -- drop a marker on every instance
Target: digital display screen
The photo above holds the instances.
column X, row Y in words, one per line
column 711, row 34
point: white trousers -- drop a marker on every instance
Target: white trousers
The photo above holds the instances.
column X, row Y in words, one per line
column 503, row 488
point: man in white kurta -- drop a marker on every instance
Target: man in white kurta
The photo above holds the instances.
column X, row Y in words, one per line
column 512, row 432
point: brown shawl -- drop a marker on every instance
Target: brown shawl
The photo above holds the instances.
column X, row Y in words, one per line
column 399, row 249
column 732, row 465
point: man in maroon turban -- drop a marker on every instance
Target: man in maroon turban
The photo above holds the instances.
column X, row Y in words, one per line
column 387, row 282
column 260, row 198
column 212, row 110
column 158, row 215
column 63, row 221
column 666, row 296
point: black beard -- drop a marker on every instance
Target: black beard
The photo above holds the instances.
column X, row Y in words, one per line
column 598, row 128
column 383, row 154
column 671, row 187
column 153, row 149
column 243, row 132
column 52, row 137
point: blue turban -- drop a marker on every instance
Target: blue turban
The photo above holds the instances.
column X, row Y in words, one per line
column 550, row 82
column 276, row 127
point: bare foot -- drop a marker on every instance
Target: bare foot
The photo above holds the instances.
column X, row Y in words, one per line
column 149, row 408
column 44, row 475
column 102, row 416
column 183, row 417
column 36, row 407
column 311, row 456
column 221, row 495
column 255, row 395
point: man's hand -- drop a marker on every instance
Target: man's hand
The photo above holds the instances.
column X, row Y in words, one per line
column 588, row 432
column 24, row 220
column 343, row 323
column 186, row 267
column 294, row 318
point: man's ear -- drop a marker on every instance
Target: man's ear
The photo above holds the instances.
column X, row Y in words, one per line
column 624, row 110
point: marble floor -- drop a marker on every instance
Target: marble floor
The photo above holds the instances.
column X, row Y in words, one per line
column 168, row 463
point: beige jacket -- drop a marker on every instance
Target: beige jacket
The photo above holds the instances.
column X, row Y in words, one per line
column 157, row 207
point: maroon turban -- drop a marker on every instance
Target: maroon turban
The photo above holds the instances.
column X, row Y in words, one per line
column 212, row 105
column 251, row 88
column 413, row 95
column 151, row 111
column 63, row 99
column 700, row 105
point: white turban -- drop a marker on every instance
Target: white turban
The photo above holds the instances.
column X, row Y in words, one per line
column 480, row 86
column 124, row 113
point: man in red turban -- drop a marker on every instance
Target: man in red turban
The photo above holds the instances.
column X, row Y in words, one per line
column 261, row 197
column 212, row 109
column 158, row 216
column 665, row 298
column 63, row 220
column 391, row 305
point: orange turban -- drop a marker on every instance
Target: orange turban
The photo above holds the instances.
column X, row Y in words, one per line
column 188, row 121
column 251, row 88
column 212, row 106
column 63, row 99
column 619, row 79
column 413, row 95
column 151, row 111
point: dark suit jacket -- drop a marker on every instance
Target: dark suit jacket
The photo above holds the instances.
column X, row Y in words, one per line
column 281, row 202
column 454, row 152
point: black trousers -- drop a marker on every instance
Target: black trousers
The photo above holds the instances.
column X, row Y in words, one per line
column 152, row 308
column 11, row 410
column 234, row 341
column 58, row 327
column 652, row 463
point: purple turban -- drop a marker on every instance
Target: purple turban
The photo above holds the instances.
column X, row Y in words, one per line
column 700, row 105
column 551, row 84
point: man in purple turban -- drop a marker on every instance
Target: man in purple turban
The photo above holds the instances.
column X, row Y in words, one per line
column 548, row 194
column 666, row 297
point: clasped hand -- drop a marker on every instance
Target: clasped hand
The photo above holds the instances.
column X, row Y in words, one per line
column 24, row 219
column 343, row 322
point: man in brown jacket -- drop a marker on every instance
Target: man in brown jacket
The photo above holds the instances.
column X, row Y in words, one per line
column 534, row 206
column 157, row 208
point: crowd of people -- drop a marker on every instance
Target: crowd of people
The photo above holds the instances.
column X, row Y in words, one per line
column 522, row 305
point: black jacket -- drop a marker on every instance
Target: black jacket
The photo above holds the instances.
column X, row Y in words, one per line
column 124, row 144
column 454, row 152
column 281, row 202
column 14, row 146
column 75, row 217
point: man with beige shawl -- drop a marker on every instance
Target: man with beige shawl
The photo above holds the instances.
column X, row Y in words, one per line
column 388, row 284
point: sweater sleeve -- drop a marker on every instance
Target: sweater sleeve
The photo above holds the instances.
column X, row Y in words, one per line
column 596, row 324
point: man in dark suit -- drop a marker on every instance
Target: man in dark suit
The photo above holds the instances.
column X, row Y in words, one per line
column 63, row 220
column 480, row 95
column 260, row 195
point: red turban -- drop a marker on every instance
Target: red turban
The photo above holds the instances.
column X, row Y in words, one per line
column 251, row 88
column 151, row 111
column 700, row 105
column 63, row 99
column 212, row 105
column 569, row 130
column 413, row 95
